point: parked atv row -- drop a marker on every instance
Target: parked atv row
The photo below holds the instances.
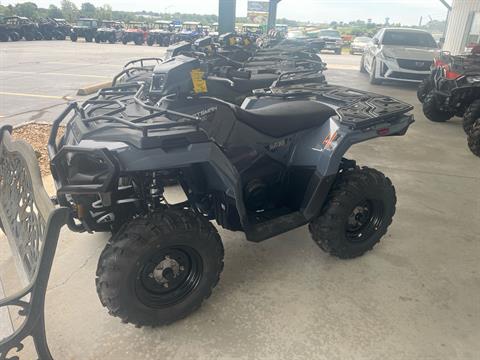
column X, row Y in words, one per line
column 257, row 143
column 14, row 28
column 453, row 89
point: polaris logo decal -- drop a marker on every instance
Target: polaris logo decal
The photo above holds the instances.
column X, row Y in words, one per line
column 278, row 144
column 204, row 113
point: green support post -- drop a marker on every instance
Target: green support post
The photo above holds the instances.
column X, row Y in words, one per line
column 226, row 16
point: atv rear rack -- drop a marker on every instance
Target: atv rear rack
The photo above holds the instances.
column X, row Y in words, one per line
column 355, row 108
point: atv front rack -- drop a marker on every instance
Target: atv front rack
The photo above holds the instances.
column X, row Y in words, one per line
column 112, row 105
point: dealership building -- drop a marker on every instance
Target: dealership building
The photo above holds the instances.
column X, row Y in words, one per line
column 463, row 26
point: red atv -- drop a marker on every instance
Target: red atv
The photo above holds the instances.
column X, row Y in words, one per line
column 136, row 32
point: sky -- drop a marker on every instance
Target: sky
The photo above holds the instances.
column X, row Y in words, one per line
column 407, row 12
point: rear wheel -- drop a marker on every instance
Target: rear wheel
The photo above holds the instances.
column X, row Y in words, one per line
column 29, row 37
column 474, row 139
column 158, row 269
column 424, row 88
column 3, row 37
column 38, row 35
column 15, row 36
column 97, row 39
column 472, row 115
column 150, row 41
column 359, row 209
column 88, row 38
column 124, row 41
column 432, row 110
column 139, row 40
column 73, row 37
column 112, row 39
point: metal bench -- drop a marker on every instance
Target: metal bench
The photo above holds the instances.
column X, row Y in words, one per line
column 32, row 225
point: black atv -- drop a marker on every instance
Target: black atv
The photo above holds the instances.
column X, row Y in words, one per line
column 271, row 165
column 110, row 31
column 220, row 77
column 162, row 33
column 24, row 27
column 454, row 90
column 50, row 29
column 85, row 28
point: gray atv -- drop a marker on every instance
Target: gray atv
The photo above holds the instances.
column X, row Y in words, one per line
column 269, row 166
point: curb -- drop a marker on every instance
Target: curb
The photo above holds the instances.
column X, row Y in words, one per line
column 88, row 90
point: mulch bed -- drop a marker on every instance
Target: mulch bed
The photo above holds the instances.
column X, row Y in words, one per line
column 37, row 135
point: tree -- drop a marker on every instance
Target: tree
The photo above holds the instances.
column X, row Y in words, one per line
column 104, row 12
column 69, row 10
column 27, row 9
column 54, row 12
column 88, row 10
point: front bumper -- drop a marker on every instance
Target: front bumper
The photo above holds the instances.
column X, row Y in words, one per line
column 389, row 69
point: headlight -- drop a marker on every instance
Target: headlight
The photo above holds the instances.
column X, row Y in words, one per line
column 388, row 57
column 473, row 79
column 158, row 82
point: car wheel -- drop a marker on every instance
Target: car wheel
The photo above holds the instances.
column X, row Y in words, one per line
column 373, row 73
column 362, row 65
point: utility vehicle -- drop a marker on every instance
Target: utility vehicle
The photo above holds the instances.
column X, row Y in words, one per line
column 85, row 28
column 190, row 31
column 271, row 165
column 24, row 27
column 7, row 33
column 135, row 32
column 333, row 40
column 110, row 31
column 49, row 29
column 162, row 33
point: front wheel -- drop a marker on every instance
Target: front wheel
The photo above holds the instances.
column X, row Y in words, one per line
column 158, row 269
column 474, row 139
column 73, row 37
column 432, row 111
column 358, row 211
column 472, row 115
column 425, row 87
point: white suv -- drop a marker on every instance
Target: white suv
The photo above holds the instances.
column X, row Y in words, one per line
column 399, row 54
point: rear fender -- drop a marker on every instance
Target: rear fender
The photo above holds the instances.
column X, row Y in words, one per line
column 326, row 149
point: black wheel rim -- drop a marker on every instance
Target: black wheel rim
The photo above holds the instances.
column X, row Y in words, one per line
column 365, row 219
column 168, row 276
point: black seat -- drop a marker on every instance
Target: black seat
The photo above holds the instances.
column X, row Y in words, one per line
column 286, row 117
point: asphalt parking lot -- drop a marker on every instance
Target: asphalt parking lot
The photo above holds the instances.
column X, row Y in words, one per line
column 415, row 296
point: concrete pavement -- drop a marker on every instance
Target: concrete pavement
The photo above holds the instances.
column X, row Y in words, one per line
column 415, row 296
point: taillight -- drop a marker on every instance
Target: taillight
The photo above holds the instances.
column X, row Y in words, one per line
column 451, row 75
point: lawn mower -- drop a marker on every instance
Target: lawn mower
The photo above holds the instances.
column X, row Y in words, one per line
column 271, row 165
